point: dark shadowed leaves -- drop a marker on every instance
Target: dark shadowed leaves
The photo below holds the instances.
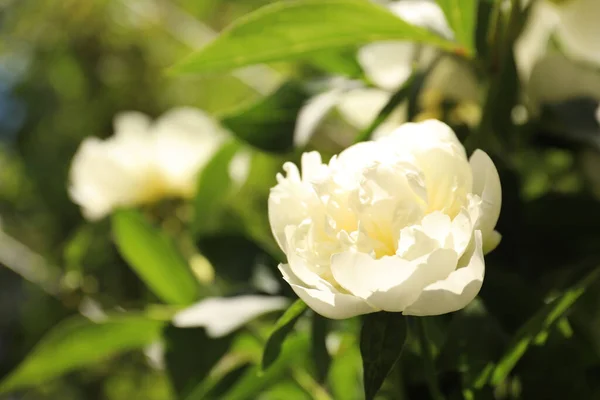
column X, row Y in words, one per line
column 282, row 328
column 320, row 355
column 154, row 257
column 190, row 355
column 269, row 123
column 381, row 341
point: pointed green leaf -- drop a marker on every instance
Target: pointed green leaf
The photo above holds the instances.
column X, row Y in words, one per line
column 283, row 327
column 154, row 257
column 78, row 342
column 295, row 29
column 381, row 341
column 537, row 325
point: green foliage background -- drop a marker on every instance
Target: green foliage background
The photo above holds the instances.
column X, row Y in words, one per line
column 66, row 68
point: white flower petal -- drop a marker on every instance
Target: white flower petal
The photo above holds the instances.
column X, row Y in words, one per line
column 223, row 315
column 360, row 106
column 423, row 13
column 108, row 174
column 532, row 44
column 569, row 80
column 486, row 184
column 457, row 290
column 390, row 283
column 448, row 179
column 132, row 123
column 386, row 225
column 331, row 304
column 579, row 30
column 239, row 167
column 462, row 231
column 185, row 139
column 388, row 64
column 492, row 241
column 422, row 136
column 437, row 226
column 290, row 202
column 143, row 162
column 311, row 115
column 297, row 265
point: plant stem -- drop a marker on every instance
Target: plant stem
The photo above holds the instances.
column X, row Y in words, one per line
column 432, row 383
column 311, row 386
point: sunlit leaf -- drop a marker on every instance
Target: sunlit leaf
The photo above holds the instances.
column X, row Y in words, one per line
column 154, row 258
column 342, row 62
column 295, row 29
column 381, row 342
column 282, row 328
column 79, row 342
column 462, row 16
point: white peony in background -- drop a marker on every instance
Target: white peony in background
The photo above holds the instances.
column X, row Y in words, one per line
column 397, row 224
column 146, row 161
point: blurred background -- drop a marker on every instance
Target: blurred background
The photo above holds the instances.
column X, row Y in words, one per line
column 66, row 69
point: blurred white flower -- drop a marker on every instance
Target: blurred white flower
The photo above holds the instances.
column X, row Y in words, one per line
column 397, row 224
column 578, row 29
column 223, row 315
column 571, row 69
column 143, row 161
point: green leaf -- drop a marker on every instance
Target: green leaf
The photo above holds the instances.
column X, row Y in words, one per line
column 269, row 123
column 320, row 355
column 255, row 381
column 224, row 384
column 345, row 380
column 538, row 324
column 474, row 340
column 78, row 342
column 342, row 62
column 214, row 183
column 381, row 341
column 462, row 17
column 234, row 266
column 190, row 355
column 282, row 328
column 154, row 258
column 295, row 29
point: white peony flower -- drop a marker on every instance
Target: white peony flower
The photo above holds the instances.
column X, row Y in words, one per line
column 397, row 224
column 144, row 161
